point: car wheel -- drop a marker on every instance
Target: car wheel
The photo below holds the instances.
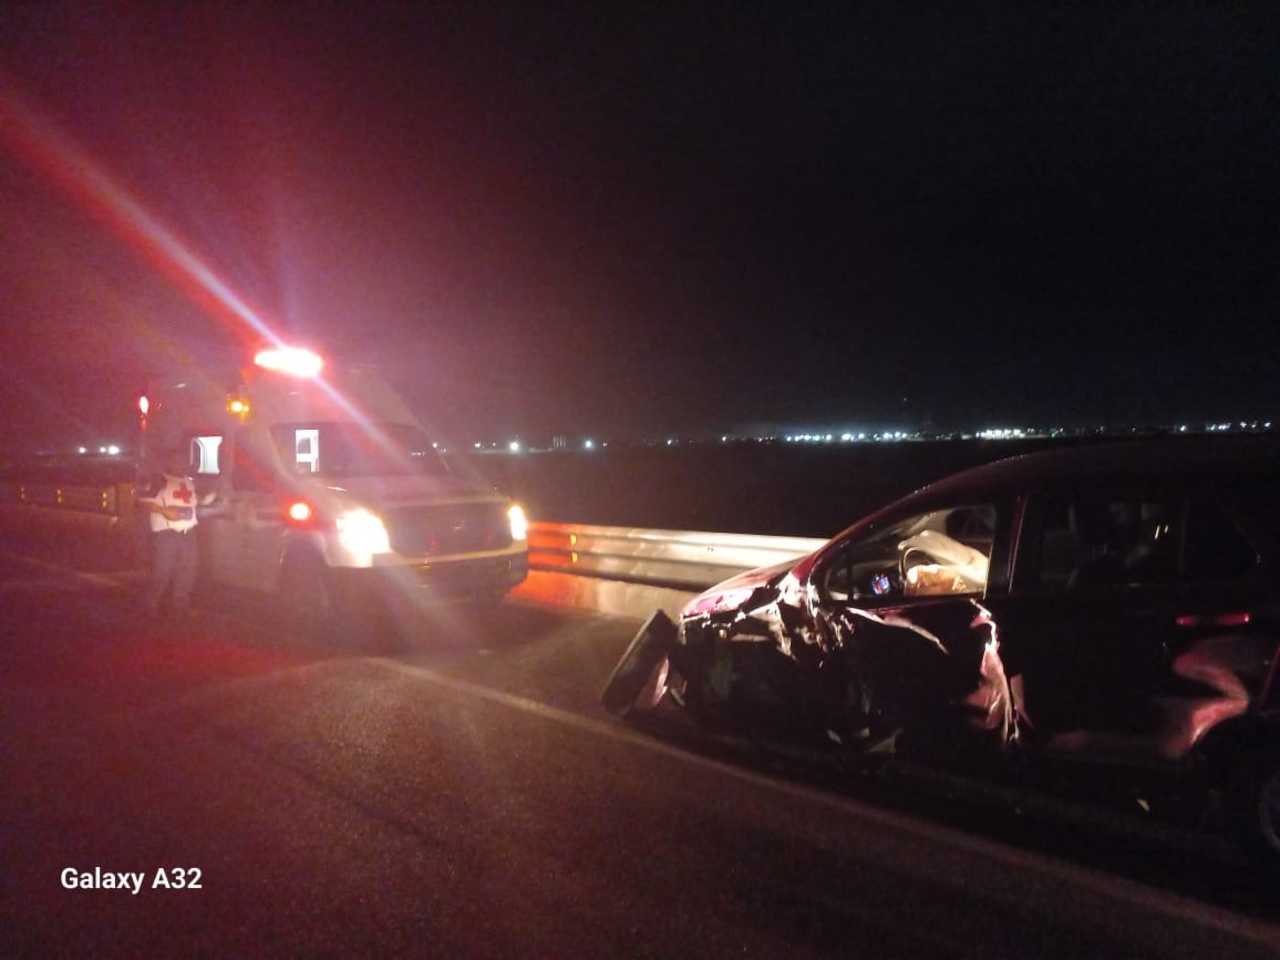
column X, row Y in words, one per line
column 1268, row 809
column 1258, row 809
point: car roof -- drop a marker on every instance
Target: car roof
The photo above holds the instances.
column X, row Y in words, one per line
column 1156, row 458
column 1165, row 458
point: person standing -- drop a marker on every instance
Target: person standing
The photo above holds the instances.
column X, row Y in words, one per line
column 171, row 503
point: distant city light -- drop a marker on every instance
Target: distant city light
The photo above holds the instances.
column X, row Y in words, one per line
column 911, row 434
column 102, row 449
column 1002, row 433
column 82, row 449
column 113, row 450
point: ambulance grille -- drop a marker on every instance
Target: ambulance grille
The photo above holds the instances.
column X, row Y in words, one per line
column 452, row 528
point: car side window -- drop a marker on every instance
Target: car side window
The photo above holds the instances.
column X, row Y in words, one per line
column 944, row 552
column 1215, row 547
column 1108, row 541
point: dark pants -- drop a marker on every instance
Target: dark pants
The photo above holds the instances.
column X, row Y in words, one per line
column 173, row 561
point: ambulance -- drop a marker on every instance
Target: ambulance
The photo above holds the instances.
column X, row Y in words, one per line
column 330, row 494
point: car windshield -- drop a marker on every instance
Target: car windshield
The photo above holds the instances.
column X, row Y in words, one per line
column 939, row 552
column 353, row 450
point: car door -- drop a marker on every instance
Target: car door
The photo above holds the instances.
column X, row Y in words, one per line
column 906, row 601
column 1089, row 624
column 1223, row 651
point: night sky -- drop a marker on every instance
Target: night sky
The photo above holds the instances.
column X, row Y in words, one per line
column 589, row 221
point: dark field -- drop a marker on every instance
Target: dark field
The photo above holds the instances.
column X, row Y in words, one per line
column 776, row 488
column 783, row 489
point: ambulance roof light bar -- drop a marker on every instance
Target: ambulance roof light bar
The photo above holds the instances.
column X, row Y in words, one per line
column 294, row 361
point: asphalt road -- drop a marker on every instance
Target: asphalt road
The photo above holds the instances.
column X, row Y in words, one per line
column 464, row 795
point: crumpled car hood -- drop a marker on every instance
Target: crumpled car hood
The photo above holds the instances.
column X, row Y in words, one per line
column 732, row 593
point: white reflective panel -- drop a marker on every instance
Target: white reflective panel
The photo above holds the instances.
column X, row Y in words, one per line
column 205, row 454
column 306, row 446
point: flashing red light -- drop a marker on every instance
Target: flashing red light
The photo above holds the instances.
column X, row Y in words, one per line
column 299, row 511
column 294, row 361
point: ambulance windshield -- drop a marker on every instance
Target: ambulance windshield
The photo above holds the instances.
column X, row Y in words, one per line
column 351, row 450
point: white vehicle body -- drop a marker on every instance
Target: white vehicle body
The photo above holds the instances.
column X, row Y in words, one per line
column 332, row 470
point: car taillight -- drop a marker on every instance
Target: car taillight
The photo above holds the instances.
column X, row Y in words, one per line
column 1234, row 618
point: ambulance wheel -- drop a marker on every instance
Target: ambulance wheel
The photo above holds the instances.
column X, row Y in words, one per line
column 308, row 600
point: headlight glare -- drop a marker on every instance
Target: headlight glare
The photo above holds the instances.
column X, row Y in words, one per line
column 519, row 522
column 362, row 533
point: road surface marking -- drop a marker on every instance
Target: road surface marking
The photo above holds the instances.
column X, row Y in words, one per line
column 90, row 579
column 1106, row 885
column 55, row 583
column 1118, row 888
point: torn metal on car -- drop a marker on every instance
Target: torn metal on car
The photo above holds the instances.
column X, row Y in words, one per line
column 1092, row 616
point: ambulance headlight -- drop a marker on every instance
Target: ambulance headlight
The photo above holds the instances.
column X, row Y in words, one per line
column 519, row 522
column 361, row 533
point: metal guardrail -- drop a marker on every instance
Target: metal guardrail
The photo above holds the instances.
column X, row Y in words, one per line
column 108, row 499
column 683, row 559
column 679, row 559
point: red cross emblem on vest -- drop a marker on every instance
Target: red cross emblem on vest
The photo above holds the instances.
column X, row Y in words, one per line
column 183, row 493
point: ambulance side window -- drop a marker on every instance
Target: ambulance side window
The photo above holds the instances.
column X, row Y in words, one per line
column 306, row 450
column 205, row 452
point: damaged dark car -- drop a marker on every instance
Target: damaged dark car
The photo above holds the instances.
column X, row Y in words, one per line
column 1102, row 615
